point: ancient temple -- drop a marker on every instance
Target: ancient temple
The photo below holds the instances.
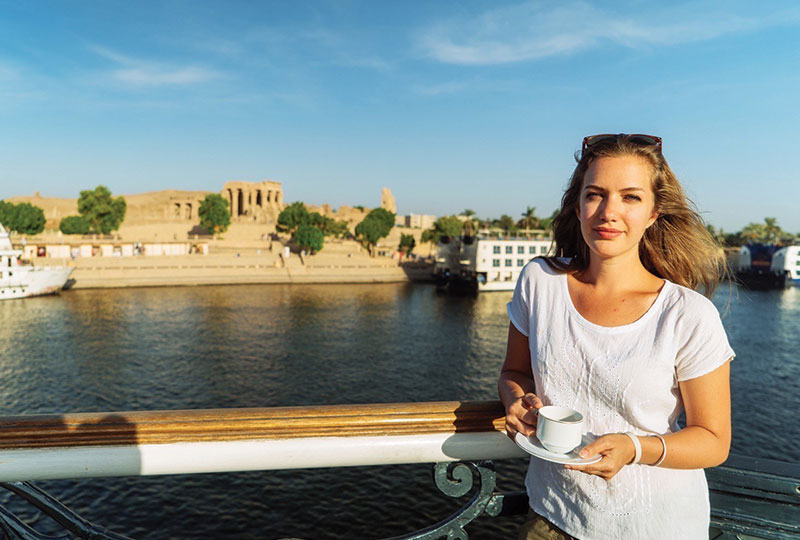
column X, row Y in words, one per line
column 254, row 202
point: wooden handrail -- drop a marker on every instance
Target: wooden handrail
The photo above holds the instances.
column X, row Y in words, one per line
column 162, row 427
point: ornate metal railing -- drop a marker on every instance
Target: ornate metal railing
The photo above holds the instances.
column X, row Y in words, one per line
column 753, row 497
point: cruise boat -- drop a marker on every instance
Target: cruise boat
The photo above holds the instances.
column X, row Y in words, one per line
column 19, row 280
column 484, row 263
column 767, row 266
column 787, row 259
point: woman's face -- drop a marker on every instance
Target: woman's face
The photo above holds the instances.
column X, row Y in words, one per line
column 616, row 205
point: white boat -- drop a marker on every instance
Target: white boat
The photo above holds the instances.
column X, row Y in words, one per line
column 768, row 266
column 787, row 261
column 485, row 263
column 20, row 280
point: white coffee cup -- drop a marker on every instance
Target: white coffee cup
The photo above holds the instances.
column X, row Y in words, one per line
column 559, row 429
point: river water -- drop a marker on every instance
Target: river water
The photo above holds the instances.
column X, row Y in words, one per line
column 280, row 345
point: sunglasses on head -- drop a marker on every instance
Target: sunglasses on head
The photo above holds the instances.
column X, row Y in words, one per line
column 636, row 138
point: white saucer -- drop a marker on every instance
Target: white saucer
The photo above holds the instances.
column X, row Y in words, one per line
column 534, row 447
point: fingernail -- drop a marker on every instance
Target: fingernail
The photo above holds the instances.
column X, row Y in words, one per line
column 584, row 454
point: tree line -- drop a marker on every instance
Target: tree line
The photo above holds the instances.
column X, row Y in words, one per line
column 768, row 232
column 468, row 224
column 309, row 229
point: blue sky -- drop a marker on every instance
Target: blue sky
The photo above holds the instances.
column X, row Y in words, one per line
column 451, row 105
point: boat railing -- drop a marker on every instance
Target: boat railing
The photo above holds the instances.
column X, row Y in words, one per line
column 749, row 496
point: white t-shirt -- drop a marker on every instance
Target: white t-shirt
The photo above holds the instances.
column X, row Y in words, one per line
column 623, row 378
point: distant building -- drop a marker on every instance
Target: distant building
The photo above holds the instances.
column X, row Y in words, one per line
column 417, row 221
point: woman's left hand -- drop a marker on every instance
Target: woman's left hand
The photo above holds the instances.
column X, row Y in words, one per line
column 617, row 450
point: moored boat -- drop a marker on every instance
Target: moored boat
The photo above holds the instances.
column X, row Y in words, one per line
column 483, row 263
column 767, row 266
column 20, row 280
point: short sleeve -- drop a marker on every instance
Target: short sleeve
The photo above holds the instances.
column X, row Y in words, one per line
column 519, row 307
column 704, row 344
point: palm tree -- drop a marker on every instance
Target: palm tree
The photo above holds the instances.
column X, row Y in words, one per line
column 529, row 219
column 470, row 223
column 753, row 232
column 772, row 232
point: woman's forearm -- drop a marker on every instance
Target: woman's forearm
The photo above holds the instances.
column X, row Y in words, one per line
column 512, row 385
column 693, row 447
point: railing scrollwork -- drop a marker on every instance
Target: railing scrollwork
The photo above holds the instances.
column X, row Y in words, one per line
column 15, row 529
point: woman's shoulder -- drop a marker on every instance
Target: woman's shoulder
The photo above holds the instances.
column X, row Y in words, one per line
column 540, row 273
column 551, row 266
column 688, row 302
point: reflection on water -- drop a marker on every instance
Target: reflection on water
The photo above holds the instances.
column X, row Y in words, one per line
column 261, row 346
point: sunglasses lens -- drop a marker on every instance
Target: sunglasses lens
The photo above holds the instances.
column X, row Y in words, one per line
column 645, row 140
column 599, row 139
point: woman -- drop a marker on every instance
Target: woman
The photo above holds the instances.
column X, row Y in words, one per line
column 613, row 327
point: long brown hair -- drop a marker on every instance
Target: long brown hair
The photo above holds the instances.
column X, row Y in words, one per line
column 677, row 247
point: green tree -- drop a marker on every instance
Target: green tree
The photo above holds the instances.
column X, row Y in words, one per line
column 470, row 223
column 337, row 228
column 529, row 219
column 444, row 227
column 309, row 237
column 292, row 217
column 369, row 232
column 447, row 226
column 7, row 214
column 23, row 218
column 74, row 225
column 772, row 232
column 506, row 223
column 429, row 236
column 547, row 222
column 407, row 243
column 214, row 214
column 753, row 232
column 717, row 234
column 385, row 218
column 103, row 212
column 733, row 239
column 317, row 220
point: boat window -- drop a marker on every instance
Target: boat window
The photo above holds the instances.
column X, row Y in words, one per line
column 496, row 263
column 509, row 262
column 520, row 249
column 509, row 249
column 532, row 250
column 520, row 262
column 496, row 249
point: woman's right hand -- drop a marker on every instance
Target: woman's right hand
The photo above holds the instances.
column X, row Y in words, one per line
column 521, row 415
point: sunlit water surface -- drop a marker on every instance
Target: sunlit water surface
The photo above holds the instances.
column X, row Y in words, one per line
column 265, row 346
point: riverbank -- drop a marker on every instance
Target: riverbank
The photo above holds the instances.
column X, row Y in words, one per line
column 233, row 268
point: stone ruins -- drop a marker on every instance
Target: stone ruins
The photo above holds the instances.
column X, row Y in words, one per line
column 249, row 202
column 254, row 202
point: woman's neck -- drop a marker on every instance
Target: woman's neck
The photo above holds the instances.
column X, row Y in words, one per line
column 617, row 274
